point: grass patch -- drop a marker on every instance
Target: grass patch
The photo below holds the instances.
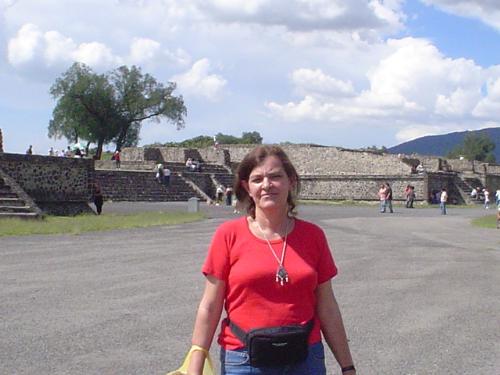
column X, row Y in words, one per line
column 92, row 223
column 489, row 221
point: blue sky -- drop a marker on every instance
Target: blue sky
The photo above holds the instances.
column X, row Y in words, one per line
column 348, row 73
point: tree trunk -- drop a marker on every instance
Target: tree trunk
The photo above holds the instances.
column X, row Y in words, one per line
column 98, row 153
column 87, row 148
column 121, row 137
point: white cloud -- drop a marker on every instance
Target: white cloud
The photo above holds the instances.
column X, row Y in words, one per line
column 308, row 15
column 198, row 81
column 413, row 84
column 143, row 50
column 489, row 106
column 488, row 11
column 179, row 57
column 31, row 46
column 95, row 54
column 315, row 81
column 22, row 48
column 58, row 48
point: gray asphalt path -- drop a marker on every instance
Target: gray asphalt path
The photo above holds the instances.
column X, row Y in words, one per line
column 419, row 293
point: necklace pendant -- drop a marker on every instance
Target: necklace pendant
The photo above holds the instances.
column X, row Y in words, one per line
column 281, row 275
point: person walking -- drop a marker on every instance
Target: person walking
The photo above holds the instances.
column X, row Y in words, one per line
column 229, row 196
column 443, row 199
column 219, row 194
column 486, row 193
column 166, row 176
column 29, row 151
column 497, row 197
column 160, row 171
column 269, row 270
column 388, row 197
column 382, row 194
column 407, row 196
column 98, row 198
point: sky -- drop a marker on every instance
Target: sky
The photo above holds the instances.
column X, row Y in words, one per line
column 346, row 73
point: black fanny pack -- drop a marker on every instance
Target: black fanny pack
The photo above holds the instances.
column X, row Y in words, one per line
column 275, row 346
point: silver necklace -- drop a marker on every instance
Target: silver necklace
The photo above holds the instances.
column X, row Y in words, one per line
column 281, row 274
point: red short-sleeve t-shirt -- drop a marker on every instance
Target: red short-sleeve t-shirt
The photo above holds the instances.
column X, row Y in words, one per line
column 253, row 297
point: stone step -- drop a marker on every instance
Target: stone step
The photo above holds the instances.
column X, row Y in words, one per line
column 5, row 189
column 15, row 209
column 11, row 202
column 19, row 215
column 8, row 194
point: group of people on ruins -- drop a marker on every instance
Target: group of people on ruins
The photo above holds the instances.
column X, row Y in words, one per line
column 484, row 194
column 193, row 165
column 162, row 174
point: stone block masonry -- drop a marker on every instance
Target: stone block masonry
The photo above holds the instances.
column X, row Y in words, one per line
column 359, row 187
column 57, row 185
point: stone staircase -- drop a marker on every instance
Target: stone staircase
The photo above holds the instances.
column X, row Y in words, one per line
column 135, row 181
column 225, row 179
column 121, row 185
column 14, row 202
column 465, row 186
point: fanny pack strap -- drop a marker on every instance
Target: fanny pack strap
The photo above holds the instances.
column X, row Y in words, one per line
column 242, row 335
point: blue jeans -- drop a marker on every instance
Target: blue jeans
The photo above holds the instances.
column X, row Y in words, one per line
column 442, row 205
column 382, row 205
column 236, row 362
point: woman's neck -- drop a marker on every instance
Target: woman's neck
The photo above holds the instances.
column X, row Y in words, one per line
column 272, row 224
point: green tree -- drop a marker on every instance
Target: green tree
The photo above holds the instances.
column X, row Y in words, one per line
column 85, row 107
column 140, row 97
column 110, row 107
column 475, row 147
column 253, row 138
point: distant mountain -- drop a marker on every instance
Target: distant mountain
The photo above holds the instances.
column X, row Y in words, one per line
column 440, row 145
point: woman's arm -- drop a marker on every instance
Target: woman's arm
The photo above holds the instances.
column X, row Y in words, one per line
column 207, row 318
column 332, row 325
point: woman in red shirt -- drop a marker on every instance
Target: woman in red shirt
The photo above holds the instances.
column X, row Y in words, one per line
column 269, row 269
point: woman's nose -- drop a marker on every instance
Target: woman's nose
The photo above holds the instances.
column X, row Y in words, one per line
column 266, row 183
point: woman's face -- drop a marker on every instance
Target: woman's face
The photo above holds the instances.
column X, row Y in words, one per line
column 268, row 185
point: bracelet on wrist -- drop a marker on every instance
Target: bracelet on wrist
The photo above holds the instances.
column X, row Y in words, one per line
column 348, row 368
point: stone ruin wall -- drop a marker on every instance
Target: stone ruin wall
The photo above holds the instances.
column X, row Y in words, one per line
column 309, row 160
column 328, row 161
column 175, row 154
column 358, row 187
column 57, row 185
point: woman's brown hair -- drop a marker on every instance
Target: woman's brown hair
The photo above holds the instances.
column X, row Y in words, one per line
column 252, row 160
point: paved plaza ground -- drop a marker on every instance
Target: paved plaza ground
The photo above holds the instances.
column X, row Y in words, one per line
column 419, row 292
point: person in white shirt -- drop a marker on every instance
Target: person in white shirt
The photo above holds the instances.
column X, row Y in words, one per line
column 473, row 193
column 486, row 199
column 166, row 176
column 443, row 199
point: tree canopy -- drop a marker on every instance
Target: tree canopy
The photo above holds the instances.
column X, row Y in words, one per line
column 202, row 141
column 475, row 147
column 104, row 108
